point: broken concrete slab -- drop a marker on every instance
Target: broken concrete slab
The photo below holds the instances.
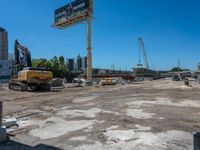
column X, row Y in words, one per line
column 9, row 122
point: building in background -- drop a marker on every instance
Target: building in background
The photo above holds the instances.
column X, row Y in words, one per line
column 5, row 69
column 198, row 67
column 78, row 63
column 3, row 44
column 83, row 62
column 70, row 63
column 11, row 57
column 6, row 61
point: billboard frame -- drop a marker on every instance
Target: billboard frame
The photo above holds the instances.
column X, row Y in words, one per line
column 74, row 19
column 86, row 16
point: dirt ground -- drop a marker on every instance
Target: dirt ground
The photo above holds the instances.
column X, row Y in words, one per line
column 141, row 116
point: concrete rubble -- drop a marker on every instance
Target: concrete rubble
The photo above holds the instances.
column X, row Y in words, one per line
column 141, row 115
column 9, row 122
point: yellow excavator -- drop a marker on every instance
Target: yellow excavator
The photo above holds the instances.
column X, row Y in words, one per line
column 24, row 76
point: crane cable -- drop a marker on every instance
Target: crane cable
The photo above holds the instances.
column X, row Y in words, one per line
column 151, row 59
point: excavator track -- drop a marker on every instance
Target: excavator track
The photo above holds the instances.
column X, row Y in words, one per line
column 41, row 87
column 17, row 86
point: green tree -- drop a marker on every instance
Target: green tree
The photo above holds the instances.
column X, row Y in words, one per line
column 39, row 63
column 54, row 62
column 62, row 66
column 57, row 65
column 61, row 61
column 175, row 69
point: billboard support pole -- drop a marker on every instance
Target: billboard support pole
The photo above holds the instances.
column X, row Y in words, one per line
column 89, row 43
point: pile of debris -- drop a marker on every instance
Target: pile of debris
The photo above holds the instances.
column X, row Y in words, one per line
column 113, row 81
column 81, row 82
column 56, row 82
column 3, row 86
column 78, row 82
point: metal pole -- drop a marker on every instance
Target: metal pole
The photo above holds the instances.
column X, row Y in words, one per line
column 89, row 43
column 1, row 113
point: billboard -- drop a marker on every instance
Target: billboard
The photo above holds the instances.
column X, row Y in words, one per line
column 72, row 13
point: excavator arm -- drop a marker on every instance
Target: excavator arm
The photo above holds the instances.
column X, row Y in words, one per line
column 22, row 57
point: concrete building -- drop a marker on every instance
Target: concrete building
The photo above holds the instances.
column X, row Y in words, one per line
column 83, row 62
column 198, row 67
column 77, row 63
column 5, row 69
column 11, row 57
column 3, row 44
column 6, row 61
column 70, row 63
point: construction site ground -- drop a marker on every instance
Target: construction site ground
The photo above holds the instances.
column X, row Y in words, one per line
column 143, row 115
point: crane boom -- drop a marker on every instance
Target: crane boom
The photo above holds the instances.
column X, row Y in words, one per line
column 142, row 48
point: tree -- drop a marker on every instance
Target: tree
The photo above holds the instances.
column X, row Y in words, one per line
column 61, row 61
column 62, row 66
column 39, row 63
column 56, row 65
column 175, row 69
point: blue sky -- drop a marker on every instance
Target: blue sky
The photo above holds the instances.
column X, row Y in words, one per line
column 170, row 29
